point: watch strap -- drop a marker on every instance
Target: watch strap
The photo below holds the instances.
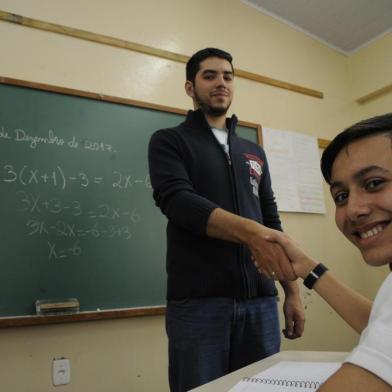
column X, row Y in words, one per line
column 315, row 275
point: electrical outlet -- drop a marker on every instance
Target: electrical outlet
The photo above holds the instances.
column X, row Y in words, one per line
column 61, row 371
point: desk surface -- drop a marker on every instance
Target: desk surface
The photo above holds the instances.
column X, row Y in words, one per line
column 224, row 383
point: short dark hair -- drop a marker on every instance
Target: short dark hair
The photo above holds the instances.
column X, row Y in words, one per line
column 193, row 64
column 366, row 128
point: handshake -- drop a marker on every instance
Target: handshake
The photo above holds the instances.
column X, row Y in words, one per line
column 277, row 256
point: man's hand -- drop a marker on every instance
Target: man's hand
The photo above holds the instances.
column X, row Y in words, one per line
column 301, row 262
column 293, row 311
column 270, row 258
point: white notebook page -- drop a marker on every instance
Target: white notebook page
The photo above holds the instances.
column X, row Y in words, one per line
column 288, row 376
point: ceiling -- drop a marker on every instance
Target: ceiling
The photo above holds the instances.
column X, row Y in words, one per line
column 345, row 25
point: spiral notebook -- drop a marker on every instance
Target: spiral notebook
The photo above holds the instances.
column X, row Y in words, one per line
column 288, row 376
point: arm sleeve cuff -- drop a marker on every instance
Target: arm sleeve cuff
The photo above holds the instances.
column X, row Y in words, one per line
column 190, row 211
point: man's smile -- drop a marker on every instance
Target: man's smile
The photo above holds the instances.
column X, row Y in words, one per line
column 370, row 231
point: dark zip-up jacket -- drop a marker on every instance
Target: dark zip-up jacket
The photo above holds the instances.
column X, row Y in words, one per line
column 191, row 175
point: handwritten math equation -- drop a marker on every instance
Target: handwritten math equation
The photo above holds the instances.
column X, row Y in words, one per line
column 70, row 221
column 66, row 224
column 58, row 178
column 55, row 253
column 70, row 230
column 35, row 203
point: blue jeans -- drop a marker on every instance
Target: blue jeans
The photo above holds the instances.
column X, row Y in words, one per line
column 210, row 337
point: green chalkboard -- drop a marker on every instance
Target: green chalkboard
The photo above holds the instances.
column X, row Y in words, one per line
column 77, row 215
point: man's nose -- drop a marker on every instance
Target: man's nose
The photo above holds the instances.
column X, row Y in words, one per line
column 221, row 81
column 357, row 206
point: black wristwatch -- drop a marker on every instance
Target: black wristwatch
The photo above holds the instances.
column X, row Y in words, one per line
column 315, row 275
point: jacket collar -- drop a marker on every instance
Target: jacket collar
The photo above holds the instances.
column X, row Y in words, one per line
column 197, row 119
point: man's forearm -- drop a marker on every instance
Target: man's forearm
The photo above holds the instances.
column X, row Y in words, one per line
column 352, row 378
column 353, row 307
column 230, row 227
column 270, row 257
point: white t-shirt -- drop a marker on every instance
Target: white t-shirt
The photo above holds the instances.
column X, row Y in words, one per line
column 221, row 135
column 374, row 351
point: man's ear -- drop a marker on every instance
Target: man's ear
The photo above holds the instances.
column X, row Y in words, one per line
column 189, row 88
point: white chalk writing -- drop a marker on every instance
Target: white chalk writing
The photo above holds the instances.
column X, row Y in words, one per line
column 49, row 138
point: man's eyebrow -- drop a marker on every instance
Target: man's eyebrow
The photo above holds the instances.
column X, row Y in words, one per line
column 213, row 71
column 359, row 174
column 335, row 184
column 366, row 170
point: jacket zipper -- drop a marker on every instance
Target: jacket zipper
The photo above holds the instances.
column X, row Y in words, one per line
column 234, row 188
column 236, row 205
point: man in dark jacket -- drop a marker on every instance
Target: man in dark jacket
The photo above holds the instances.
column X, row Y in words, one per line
column 215, row 190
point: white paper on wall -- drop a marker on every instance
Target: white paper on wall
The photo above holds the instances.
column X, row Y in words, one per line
column 294, row 163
